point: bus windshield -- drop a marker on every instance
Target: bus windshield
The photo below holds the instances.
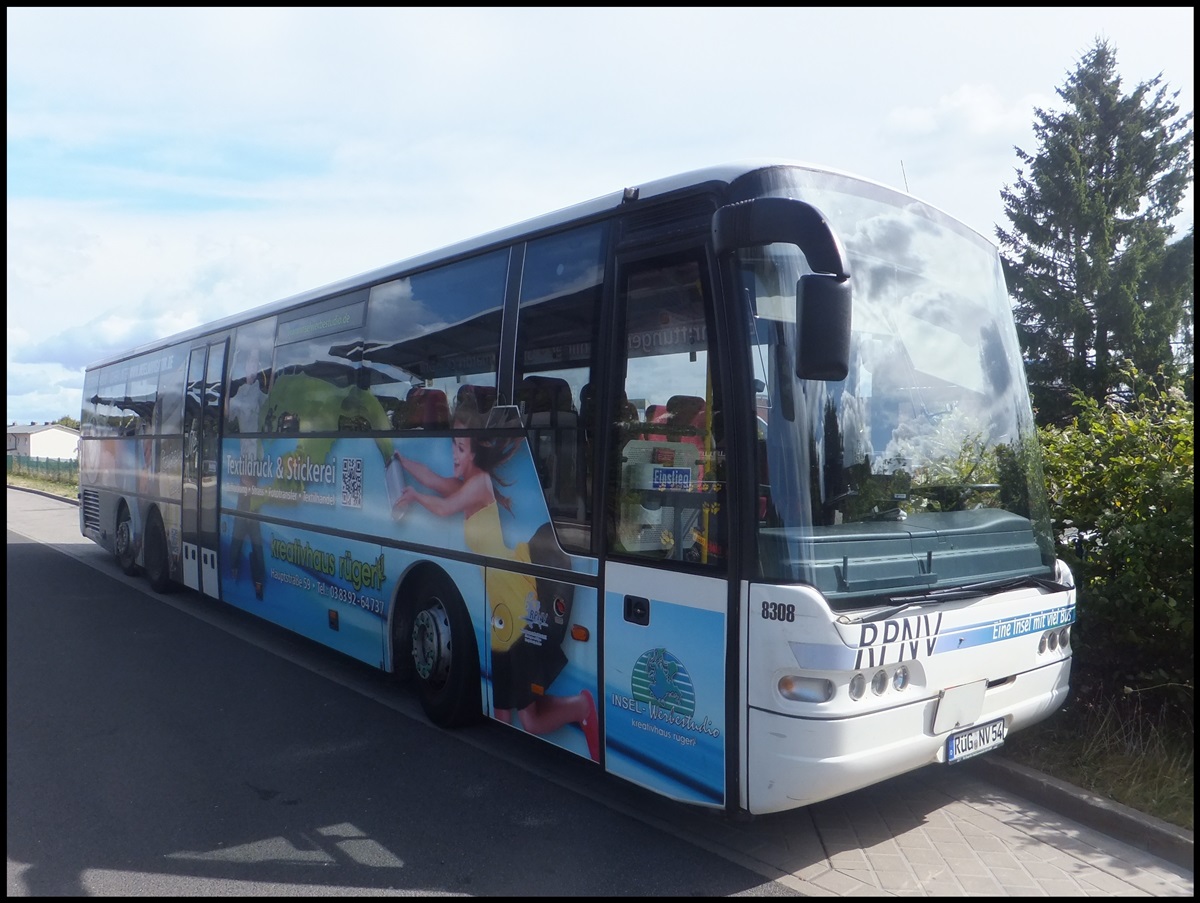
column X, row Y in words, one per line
column 920, row 470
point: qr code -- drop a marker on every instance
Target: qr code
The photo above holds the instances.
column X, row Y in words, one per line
column 352, row 482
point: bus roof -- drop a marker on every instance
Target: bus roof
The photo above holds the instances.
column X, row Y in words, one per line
column 723, row 173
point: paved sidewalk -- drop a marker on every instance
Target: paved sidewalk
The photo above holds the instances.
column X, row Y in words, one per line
column 1145, row 832
column 946, row 831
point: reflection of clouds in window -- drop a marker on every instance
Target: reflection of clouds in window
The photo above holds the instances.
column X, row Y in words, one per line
column 769, row 275
column 994, row 359
column 890, row 256
column 885, row 235
column 396, row 314
column 562, row 264
column 253, row 340
column 954, row 443
column 936, row 320
column 311, row 351
column 856, row 436
column 924, row 395
column 143, row 379
column 579, row 283
column 559, row 299
column 657, row 378
column 434, row 300
column 940, row 353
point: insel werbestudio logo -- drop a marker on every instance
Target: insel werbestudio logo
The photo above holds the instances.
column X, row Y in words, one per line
column 661, row 680
column 662, row 689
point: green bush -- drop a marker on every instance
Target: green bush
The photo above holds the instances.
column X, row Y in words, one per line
column 1121, row 479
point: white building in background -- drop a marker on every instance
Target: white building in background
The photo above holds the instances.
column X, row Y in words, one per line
column 43, row 440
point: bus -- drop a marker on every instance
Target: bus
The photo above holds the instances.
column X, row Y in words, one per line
column 727, row 483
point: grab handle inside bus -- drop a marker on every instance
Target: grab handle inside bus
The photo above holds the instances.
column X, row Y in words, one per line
column 823, row 298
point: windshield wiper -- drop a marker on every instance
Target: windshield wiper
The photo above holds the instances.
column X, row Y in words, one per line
column 955, row 593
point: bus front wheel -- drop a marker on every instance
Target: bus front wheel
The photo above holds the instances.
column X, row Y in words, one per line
column 158, row 568
column 445, row 662
column 125, row 549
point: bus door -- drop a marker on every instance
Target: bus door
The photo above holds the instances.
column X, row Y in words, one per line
column 665, row 578
column 202, row 446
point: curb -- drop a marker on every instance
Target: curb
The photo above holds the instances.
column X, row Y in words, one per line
column 46, row 495
column 1145, row 832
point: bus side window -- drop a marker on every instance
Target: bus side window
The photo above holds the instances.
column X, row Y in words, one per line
column 557, row 326
column 431, row 334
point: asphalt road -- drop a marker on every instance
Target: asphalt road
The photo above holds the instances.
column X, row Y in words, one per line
column 150, row 752
column 174, row 746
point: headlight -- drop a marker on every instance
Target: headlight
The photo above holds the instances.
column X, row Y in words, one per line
column 858, row 686
column 900, row 678
column 879, row 682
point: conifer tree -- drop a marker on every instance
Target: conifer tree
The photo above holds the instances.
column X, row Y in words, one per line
column 1089, row 258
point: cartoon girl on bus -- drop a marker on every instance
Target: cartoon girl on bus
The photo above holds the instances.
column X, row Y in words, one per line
column 515, row 599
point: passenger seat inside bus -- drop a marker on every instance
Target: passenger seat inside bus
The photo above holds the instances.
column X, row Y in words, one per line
column 427, row 409
column 478, row 399
column 553, row 425
column 683, row 419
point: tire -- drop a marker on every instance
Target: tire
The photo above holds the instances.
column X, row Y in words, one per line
column 403, row 667
column 158, row 567
column 444, row 657
column 126, row 550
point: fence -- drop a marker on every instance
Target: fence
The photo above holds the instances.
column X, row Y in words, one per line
column 56, row 470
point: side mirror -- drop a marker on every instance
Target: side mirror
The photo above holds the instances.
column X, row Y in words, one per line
column 823, row 311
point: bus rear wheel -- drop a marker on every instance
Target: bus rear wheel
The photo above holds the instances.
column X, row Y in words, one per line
column 126, row 551
column 158, row 568
column 445, row 661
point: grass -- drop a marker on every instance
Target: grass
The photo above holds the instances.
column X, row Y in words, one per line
column 68, row 490
column 1120, row 748
column 1117, row 748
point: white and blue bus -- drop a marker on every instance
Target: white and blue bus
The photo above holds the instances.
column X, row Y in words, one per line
column 728, row 483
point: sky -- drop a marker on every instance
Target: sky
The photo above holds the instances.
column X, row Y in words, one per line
column 169, row 167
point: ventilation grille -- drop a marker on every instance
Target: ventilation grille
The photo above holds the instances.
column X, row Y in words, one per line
column 683, row 217
column 91, row 510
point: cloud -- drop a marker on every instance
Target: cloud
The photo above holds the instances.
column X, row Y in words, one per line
column 969, row 111
column 169, row 166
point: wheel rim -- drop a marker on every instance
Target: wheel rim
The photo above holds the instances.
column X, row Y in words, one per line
column 124, row 539
column 431, row 643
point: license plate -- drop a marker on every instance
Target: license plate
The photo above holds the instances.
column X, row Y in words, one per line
column 975, row 740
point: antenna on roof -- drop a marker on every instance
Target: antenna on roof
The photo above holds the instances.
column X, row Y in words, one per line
column 904, row 175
